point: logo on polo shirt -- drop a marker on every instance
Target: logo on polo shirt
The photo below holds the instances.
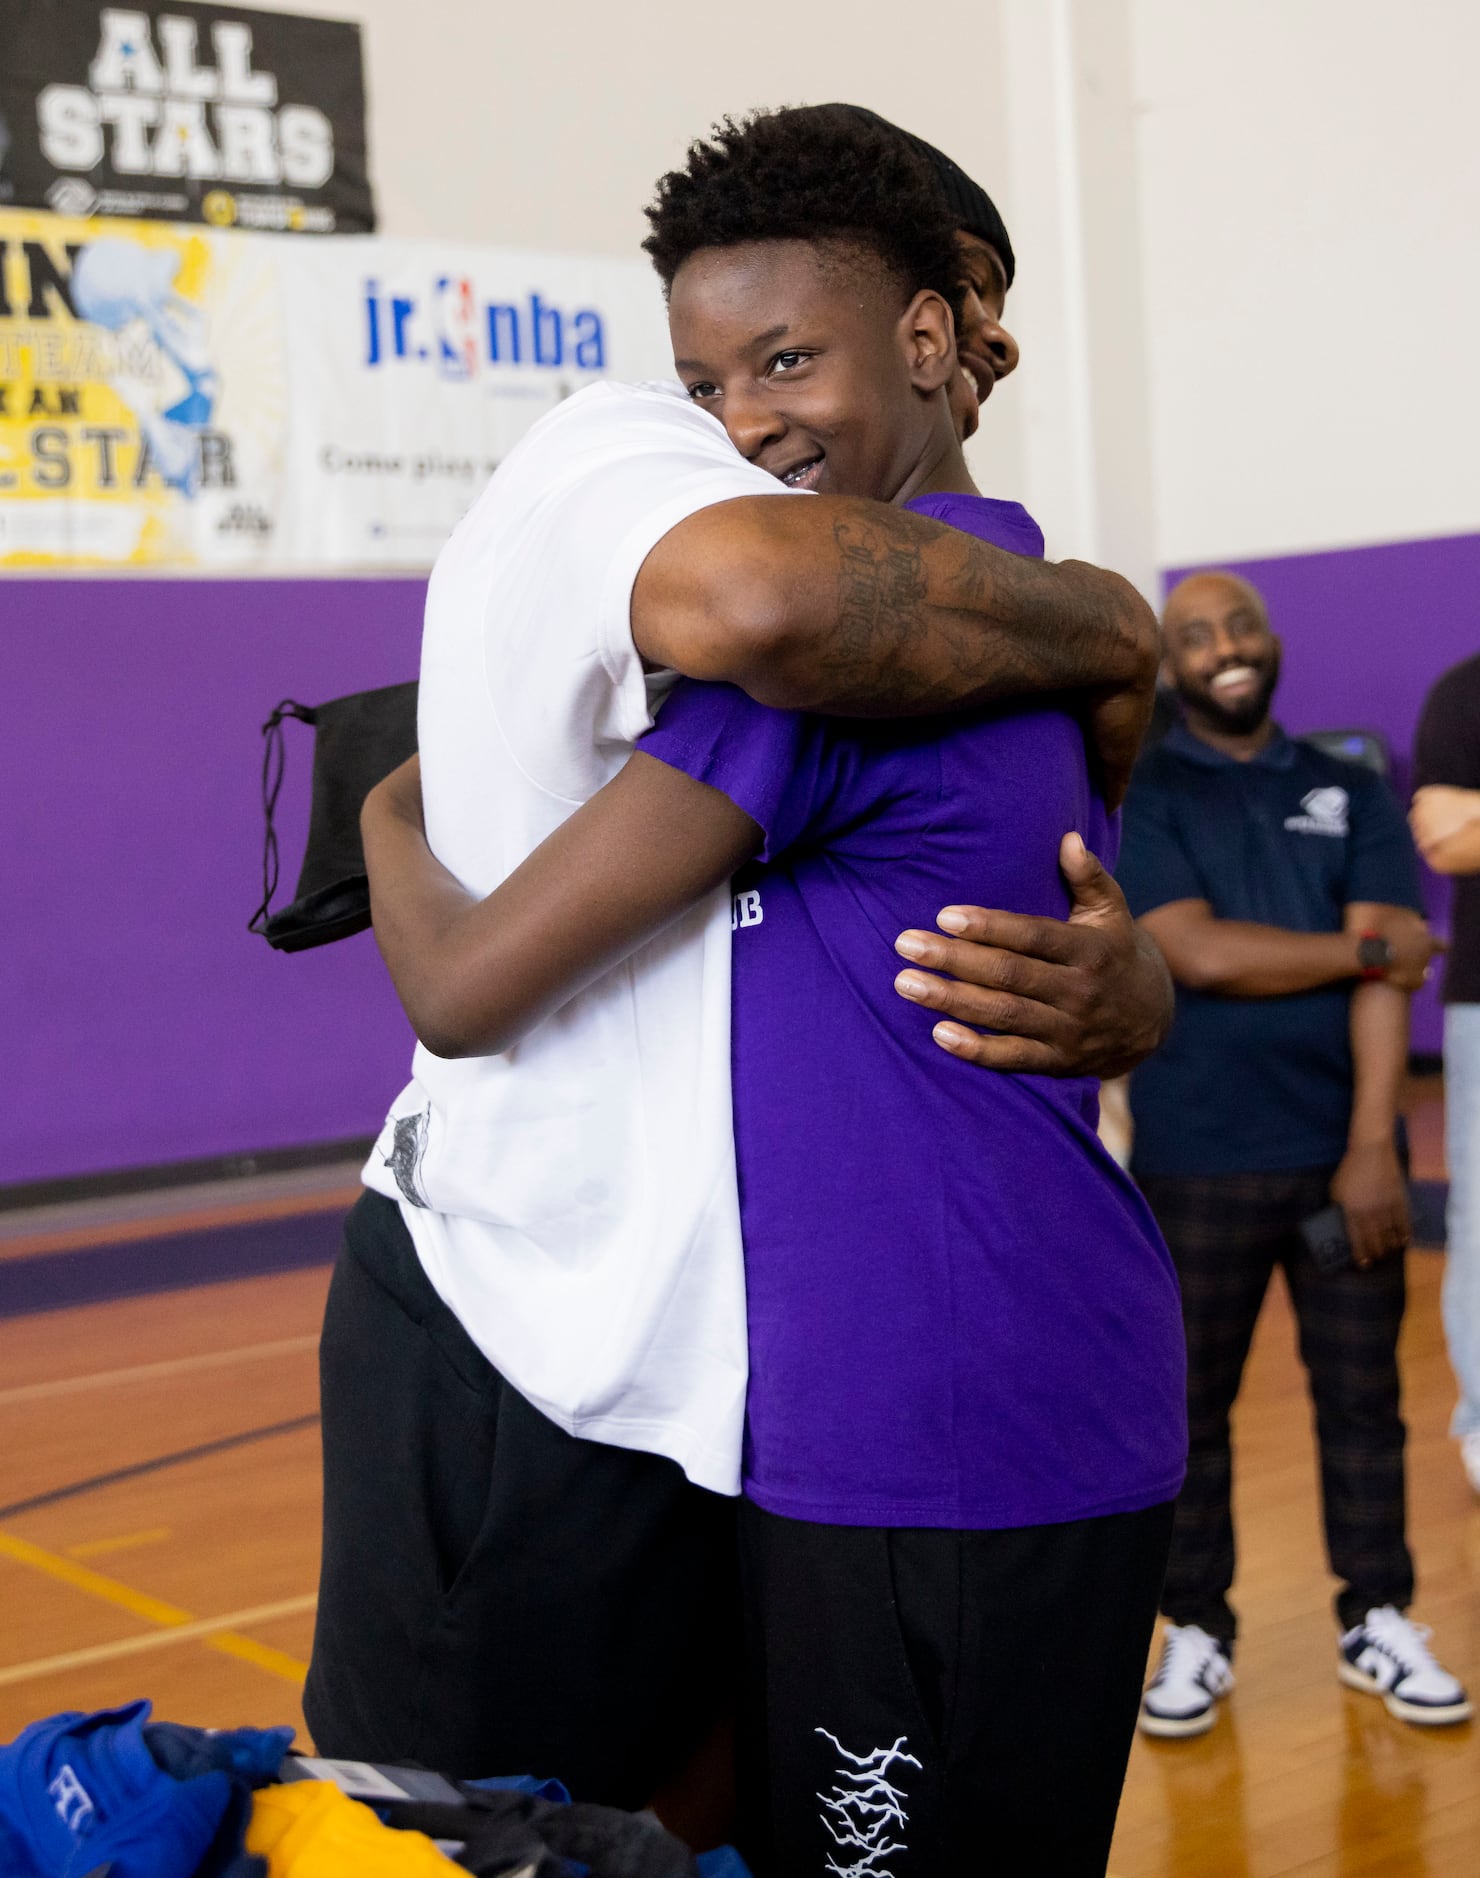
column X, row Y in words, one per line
column 1325, row 813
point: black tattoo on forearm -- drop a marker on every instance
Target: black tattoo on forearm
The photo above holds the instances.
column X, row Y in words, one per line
column 881, row 585
column 964, row 627
column 897, row 649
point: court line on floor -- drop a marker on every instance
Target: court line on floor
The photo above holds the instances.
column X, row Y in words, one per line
column 125, row 1542
column 170, row 1621
column 155, row 1372
column 153, row 1466
column 217, row 1631
column 83, row 1578
column 263, row 1655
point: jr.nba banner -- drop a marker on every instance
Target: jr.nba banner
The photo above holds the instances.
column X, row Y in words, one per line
column 180, row 397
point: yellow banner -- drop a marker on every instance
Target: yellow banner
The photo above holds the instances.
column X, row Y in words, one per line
column 183, row 397
column 110, row 426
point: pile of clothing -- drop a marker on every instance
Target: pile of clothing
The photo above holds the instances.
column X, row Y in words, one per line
column 116, row 1795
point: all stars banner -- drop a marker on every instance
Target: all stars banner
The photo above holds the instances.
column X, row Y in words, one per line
column 176, row 397
column 187, row 112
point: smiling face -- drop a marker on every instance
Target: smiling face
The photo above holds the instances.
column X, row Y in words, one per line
column 819, row 367
column 1220, row 653
column 986, row 349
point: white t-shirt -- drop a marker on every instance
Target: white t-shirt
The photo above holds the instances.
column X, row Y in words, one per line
column 573, row 1201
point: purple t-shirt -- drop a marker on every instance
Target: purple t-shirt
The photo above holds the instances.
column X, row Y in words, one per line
column 961, row 1311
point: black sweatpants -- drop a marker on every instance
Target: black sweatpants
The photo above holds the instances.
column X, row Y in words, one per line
column 1226, row 1234
column 497, row 1596
column 927, row 1703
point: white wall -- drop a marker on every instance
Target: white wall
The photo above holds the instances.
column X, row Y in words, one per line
column 1310, row 208
column 546, row 126
column 1272, row 222
column 1080, row 396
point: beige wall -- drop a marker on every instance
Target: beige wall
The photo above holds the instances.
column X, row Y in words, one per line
column 1246, row 228
column 1310, row 196
column 546, row 126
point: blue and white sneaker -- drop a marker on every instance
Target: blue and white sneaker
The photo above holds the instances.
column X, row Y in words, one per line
column 1388, row 1655
column 1194, row 1674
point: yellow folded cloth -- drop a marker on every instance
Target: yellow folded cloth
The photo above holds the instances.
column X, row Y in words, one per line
column 309, row 1829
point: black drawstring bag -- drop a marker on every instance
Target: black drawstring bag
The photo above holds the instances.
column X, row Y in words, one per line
column 358, row 740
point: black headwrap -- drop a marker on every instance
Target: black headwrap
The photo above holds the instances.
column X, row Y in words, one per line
column 972, row 207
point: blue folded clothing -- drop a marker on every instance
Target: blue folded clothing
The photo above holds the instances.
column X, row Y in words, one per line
column 252, row 1755
column 111, row 1793
column 538, row 1785
column 114, row 1795
column 723, row 1862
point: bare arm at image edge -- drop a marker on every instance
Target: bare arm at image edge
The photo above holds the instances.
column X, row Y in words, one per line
column 1446, row 826
column 854, row 609
column 1445, row 817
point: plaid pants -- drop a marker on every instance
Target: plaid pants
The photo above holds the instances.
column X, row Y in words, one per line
column 1227, row 1232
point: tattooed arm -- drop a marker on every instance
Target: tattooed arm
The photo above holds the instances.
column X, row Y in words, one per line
column 856, row 609
column 825, row 604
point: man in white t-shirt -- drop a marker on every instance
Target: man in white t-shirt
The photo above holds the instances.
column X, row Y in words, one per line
column 535, row 1347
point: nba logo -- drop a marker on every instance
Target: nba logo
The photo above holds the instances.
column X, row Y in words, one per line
column 457, row 336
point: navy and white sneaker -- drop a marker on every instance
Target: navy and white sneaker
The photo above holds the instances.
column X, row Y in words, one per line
column 1194, row 1674
column 1388, row 1655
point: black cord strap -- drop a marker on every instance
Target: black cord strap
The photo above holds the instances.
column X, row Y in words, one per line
column 272, row 782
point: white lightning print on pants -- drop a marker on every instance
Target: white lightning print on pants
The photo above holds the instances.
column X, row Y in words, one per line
column 864, row 1808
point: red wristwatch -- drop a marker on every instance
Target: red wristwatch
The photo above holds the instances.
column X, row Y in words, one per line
column 1375, row 955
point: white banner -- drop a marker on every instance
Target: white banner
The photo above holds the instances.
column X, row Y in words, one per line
column 182, row 398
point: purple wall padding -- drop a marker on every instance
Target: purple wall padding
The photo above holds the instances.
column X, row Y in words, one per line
column 1366, row 632
column 141, row 1021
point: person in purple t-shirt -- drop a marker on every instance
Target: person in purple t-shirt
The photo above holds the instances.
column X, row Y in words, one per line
column 965, row 1425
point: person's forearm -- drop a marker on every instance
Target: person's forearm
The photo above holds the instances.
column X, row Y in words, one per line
column 1445, row 819
column 852, row 608
column 1368, row 1186
column 420, row 915
column 1240, row 959
column 476, row 976
column 1456, row 853
column 1379, row 1034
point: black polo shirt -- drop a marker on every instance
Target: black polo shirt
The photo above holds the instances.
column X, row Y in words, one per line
column 1289, row 839
column 1448, row 751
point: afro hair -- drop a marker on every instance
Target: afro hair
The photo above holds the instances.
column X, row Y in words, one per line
column 818, row 173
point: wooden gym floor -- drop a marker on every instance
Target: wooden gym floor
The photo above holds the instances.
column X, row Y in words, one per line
column 159, row 1534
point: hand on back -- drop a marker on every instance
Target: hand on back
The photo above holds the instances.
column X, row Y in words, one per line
column 1086, row 996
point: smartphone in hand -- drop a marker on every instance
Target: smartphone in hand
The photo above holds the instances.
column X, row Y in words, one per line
column 1326, row 1240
